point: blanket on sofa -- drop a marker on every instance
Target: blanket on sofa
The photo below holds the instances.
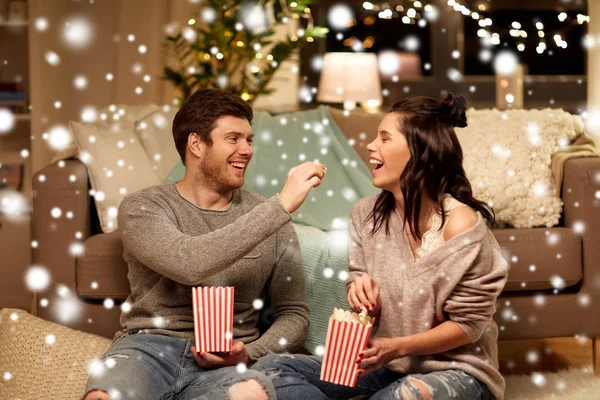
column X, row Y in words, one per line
column 583, row 146
column 325, row 265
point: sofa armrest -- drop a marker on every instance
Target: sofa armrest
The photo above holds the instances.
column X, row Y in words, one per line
column 581, row 183
column 62, row 185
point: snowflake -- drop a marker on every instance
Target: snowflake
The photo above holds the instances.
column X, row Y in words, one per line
column 557, row 282
column 7, row 120
column 340, row 17
column 96, row 368
column 108, row 303
column 533, row 357
column 454, row 75
column 50, row 339
column 76, row 249
column 77, row 33
column 538, row 379
column 158, row 321
column 584, row 299
column 37, row 278
column 319, row 350
column 59, row 138
column 258, row 304
column 52, row 58
column 241, row 368
column 328, row 272
column 506, row 62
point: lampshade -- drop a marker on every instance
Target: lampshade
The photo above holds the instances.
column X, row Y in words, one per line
column 350, row 77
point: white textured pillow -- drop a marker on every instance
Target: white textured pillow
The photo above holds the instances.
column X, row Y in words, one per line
column 156, row 135
column 507, row 158
column 117, row 165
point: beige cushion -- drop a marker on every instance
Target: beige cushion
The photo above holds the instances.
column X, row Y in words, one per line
column 156, row 136
column 117, row 165
column 127, row 116
column 40, row 365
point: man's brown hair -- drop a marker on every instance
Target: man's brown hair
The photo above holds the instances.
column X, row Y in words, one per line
column 200, row 113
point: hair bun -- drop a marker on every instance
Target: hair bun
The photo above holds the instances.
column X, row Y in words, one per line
column 455, row 110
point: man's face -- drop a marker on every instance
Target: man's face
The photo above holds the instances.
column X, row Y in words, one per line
column 225, row 162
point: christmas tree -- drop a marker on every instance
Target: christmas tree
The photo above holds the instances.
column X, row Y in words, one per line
column 234, row 46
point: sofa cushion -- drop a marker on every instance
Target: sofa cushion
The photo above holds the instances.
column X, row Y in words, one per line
column 541, row 258
column 101, row 269
column 41, row 359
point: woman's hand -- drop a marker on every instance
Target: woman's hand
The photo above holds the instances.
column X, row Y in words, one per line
column 378, row 353
column 363, row 292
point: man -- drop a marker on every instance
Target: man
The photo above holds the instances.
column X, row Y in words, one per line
column 205, row 231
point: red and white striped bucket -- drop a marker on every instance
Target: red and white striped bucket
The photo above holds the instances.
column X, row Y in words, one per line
column 347, row 336
column 213, row 318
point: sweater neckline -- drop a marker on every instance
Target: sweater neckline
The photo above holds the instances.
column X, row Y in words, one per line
column 226, row 209
column 407, row 241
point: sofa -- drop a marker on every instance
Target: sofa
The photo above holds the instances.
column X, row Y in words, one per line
column 531, row 306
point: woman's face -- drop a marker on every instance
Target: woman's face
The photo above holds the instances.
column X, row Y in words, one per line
column 389, row 154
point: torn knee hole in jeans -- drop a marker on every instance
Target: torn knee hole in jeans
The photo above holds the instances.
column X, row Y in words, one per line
column 235, row 392
column 413, row 389
column 85, row 396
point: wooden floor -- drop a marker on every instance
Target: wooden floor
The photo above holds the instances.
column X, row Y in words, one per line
column 547, row 355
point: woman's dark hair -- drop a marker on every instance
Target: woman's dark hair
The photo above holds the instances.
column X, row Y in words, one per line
column 200, row 113
column 435, row 165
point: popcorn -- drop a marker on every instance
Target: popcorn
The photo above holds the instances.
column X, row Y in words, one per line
column 362, row 317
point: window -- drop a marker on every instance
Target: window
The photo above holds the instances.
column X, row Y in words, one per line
column 554, row 60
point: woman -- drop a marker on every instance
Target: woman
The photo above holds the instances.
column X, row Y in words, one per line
column 424, row 262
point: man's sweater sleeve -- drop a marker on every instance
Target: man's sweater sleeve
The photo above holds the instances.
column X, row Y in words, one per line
column 287, row 296
column 151, row 237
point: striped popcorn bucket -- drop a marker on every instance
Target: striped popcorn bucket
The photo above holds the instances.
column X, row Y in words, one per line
column 213, row 318
column 347, row 336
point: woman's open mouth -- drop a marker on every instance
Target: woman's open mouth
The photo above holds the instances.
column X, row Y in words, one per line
column 378, row 164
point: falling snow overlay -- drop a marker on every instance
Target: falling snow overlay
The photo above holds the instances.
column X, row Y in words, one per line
column 108, row 78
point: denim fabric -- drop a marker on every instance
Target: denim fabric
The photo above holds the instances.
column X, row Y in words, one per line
column 149, row 366
column 297, row 377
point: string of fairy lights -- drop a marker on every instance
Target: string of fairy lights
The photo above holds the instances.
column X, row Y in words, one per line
column 421, row 13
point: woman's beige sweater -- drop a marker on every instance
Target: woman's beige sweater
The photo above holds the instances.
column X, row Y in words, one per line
column 458, row 281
